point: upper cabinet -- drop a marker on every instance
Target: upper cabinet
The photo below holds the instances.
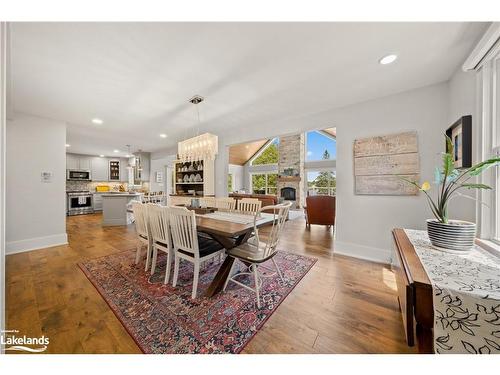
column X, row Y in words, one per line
column 74, row 161
column 100, row 169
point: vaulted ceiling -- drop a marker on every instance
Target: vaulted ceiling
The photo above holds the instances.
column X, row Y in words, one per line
column 241, row 153
column 138, row 77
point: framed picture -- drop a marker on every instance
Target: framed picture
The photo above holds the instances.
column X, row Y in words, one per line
column 460, row 134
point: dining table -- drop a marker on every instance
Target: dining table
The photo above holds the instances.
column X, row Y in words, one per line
column 230, row 230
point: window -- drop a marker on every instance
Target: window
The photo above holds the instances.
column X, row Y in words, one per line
column 320, row 146
column 230, row 183
column 268, row 155
column 264, row 183
column 321, row 183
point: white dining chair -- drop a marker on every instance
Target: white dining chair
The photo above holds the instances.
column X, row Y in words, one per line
column 143, row 231
column 249, row 205
column 188, row 245
column 161, row 237
column 254, row 253
column 225, row 204
column 207, row 202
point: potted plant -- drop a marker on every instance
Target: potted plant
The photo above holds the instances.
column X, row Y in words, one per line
column 443, row 232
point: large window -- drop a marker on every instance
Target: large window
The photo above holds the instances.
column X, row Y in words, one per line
column 264, row 183
column 230, row 187
column 320, row 146
column 269, row 155
column 321, row 183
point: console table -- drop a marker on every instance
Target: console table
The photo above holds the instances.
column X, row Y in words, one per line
column 449, row 300
column 414, row 293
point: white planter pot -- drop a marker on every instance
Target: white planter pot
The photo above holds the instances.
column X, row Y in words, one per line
column 454, row 235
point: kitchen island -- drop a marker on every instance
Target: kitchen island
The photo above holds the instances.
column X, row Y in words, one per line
column 115, row 208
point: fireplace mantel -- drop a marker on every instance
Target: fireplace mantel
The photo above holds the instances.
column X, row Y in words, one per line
column 289, row 179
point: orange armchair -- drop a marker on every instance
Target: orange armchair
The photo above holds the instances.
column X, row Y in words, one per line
column 320, row 209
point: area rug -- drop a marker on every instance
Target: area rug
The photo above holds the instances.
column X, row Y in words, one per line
column 164, row 319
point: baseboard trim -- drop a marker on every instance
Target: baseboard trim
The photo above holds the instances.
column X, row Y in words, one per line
column 14, row 247
column 372, row 254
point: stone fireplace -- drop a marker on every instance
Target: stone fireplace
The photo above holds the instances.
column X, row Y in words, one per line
column 291, row 169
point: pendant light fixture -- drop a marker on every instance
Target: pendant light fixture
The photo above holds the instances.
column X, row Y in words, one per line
column 204, row 146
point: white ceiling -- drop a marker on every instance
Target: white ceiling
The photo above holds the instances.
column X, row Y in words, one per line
column 137, row 77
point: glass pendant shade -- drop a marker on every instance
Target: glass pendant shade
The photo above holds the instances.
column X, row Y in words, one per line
column 204, row 146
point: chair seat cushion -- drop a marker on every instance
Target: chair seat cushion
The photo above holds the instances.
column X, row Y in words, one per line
column 206, row 245
column 249, row 252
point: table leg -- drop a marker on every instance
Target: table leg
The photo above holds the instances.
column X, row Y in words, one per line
column 220, row 278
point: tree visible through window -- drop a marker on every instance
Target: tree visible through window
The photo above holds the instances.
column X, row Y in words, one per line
column 323, row 182
column 264, row 183
column 230, row 182
column 269, row 155
column 317, row 144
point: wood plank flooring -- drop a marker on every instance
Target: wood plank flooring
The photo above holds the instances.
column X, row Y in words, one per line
column 343, row 305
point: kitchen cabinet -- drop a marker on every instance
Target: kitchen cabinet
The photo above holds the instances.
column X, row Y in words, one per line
column 114, row 170
column 99, row 169
column 72, row 161
column 97, row 201
column 75, row 161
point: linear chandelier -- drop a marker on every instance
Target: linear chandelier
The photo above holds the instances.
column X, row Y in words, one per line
column 204, row 146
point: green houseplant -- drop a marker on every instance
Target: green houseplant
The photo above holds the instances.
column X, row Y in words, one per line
column 443, row 232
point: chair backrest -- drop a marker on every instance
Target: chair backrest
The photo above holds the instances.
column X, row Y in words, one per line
column 159, row 223
column 249, row 205
column 280, row 214
column 225, row 204
column 141, row 220
column 320, row 209
column 183, row 228
column 207, row 202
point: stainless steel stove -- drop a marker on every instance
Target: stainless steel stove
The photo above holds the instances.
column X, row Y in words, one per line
column 79, row 202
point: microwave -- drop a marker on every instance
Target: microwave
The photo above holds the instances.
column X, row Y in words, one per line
column 78, row 175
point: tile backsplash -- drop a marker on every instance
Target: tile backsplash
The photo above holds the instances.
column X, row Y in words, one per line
column 113, row 186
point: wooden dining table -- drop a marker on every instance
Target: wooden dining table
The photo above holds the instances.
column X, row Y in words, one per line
column 228, row 234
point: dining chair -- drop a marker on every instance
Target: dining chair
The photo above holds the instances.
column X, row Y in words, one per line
column 254, row 253
column 207, row 202
column 143, row 231
column 161, row 237
column 249, row 205
column 225, row 204
column 188, row 245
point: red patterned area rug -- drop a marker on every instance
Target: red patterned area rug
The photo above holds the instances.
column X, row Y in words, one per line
column 164, row 319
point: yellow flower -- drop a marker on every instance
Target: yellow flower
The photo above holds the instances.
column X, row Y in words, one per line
column 425, row 186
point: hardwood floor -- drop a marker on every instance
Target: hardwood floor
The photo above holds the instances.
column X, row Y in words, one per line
column 343, row 305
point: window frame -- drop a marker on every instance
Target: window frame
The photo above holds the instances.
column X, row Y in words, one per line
column 262, row 149
column 266, row 187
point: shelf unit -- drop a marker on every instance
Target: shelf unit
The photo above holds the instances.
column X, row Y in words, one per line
column 114, row 170
column 205, row 168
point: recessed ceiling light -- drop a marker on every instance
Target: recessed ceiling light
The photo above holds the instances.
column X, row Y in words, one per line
column 127, row 156
column 68, row 145
column 163, row 135
column 97, row 121
column 116, row 150
column 101, row 156
column 388, row 59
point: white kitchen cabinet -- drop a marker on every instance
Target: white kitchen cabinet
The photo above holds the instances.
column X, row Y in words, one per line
column 123, row 170
column 85, row 163
column 99, row 169
column 75, row 161
column 97, row 201
column 72, row 161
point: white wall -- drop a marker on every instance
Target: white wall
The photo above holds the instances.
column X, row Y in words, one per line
column 238, row 176
column 461, row 102
column 158, row 163
column 3, row 116
column 364, row 223
column 36, row 211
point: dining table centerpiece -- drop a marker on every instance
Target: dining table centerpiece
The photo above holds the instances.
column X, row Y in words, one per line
column 442, row 231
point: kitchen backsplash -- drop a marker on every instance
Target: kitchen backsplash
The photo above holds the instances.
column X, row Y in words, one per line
column 91, row 186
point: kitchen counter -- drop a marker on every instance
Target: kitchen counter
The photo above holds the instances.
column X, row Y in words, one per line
column 115, row 208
